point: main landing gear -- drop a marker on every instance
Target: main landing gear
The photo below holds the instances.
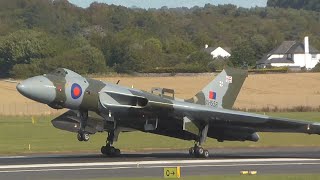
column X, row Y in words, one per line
column 82, row 135
column 109, row 150
column 198, row 152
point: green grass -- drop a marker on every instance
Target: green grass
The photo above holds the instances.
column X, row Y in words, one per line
column 16, row 133
column 234, row 177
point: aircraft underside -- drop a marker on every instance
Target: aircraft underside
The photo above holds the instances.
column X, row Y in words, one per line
column 170, row 126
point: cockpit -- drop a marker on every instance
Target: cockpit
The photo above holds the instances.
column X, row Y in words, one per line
column 62, row 72
column 59, row 72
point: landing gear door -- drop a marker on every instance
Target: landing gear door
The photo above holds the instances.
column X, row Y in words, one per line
column 151, row 124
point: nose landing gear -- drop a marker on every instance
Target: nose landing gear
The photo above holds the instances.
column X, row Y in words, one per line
column 82, row 134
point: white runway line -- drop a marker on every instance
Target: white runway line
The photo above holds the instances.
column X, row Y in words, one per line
column 12, row 157
column 149, row 167
column 130, row 163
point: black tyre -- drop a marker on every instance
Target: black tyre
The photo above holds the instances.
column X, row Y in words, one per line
column 104, row 150
column 117, row 152
column 191, row 151
column 206, row 154
column 79, row 136
column 85, row 137
column 111, row 151
column 200, row 151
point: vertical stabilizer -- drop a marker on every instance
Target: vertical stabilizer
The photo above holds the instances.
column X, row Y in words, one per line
column 223, row 90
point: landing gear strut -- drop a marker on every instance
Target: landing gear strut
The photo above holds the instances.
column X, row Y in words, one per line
column 198, row 152
column 82, row 135
column 109, row 150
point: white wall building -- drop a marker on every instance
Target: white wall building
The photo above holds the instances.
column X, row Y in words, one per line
column 218, row 51
column 291, row 54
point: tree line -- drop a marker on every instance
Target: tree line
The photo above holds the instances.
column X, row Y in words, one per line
column 37, row 36
column 313, row 5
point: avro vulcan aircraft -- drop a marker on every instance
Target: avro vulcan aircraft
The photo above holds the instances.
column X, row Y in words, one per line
column 96, row 106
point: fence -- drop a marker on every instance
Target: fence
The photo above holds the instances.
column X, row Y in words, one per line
column 27, row 108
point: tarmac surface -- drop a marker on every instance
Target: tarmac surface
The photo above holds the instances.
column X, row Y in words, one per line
column 151, row 164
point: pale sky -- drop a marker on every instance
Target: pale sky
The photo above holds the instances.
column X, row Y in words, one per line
column 172, row 3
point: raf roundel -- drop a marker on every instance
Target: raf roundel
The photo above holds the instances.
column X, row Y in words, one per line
column 76, row 91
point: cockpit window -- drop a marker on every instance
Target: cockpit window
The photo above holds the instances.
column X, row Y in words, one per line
column 59, row 72
column 64, row 73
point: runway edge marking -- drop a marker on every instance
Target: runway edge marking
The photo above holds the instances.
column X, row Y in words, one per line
column 149, row 167
column 151, row 163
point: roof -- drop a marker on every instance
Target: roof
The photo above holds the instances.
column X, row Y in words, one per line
column 286, row 47
column 293, row 47
column 298, row 48
column 283, row 48
column 263, row 59
column 210, row 49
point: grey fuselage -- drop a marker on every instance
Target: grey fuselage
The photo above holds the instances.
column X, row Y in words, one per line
column 128, row 107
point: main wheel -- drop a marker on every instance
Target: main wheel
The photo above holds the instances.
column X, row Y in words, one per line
column 199, row 152
column 117, row 152
column 111, row 150
column 191, row 151
column 104, row 150
column 206, row 154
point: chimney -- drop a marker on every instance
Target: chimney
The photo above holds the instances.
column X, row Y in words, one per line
column 206, row 46
column 306, row 45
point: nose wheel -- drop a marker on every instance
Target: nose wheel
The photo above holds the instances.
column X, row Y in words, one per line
column 83, row 136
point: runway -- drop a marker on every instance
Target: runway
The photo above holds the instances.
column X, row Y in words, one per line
column 150, row 164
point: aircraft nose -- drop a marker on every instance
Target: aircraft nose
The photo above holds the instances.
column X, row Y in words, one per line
column 20, row 87
column 38, row 88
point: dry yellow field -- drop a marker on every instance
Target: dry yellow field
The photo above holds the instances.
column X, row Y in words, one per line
column 262, row 90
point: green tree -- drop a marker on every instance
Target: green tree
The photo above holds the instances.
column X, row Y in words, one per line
column 199, row 57
column 296, row 4
column 153, row 44
column 316, row 68
column 243, row 55
column 22, row 46
column 85, row 60
column 219, row 63
column 133, row 39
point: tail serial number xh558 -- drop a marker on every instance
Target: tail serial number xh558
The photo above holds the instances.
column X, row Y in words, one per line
column 97, row 106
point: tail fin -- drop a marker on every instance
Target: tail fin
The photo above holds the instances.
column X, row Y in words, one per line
column 223, row 90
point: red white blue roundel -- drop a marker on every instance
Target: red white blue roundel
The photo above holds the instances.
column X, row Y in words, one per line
column 76, row 91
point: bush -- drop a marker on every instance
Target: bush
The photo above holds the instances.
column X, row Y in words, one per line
column 219, row 64
column 272, row 70
column 181, row 68
column 316, row 68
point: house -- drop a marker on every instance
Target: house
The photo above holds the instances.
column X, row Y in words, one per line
column 217, row 51
column 292, row 54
